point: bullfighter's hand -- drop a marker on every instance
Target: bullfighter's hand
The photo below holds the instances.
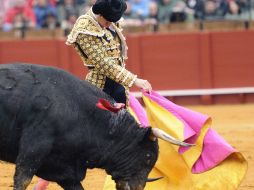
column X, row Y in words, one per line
column 143, row 84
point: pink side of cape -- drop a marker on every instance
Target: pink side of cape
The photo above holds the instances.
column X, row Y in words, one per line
column 139, row 111
column 215, row 148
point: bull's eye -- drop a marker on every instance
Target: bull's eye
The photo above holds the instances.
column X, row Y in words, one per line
column 118, row 185
column 148, row 155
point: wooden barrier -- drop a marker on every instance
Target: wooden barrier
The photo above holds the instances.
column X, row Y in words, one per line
column 12, row 35
column 252, row 24
column 215, row 25
column 179, row 27
column 44, row 34
column 138, row 28
column 32, row 34
column 175, row 61
column 224, row 25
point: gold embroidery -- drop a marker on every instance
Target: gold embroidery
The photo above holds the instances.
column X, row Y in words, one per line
column 99, row 48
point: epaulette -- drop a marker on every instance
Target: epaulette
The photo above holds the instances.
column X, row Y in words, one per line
column 85, row 24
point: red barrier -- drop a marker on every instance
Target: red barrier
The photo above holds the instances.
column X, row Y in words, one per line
column 233, row 59
column 168, row 61
column 43, row 52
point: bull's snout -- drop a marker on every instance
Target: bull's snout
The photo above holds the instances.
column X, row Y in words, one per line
column 134, row 185
column 123, row 185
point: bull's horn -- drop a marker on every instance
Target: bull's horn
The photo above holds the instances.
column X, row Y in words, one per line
column 153, row 179
column 164, row 136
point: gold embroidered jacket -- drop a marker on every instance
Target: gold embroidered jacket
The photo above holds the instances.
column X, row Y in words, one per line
column 103, row 53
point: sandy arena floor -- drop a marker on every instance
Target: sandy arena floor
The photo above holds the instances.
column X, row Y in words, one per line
column 234, row 122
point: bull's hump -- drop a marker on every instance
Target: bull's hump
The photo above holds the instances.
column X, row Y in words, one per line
column 47, row 80
column 12, row 74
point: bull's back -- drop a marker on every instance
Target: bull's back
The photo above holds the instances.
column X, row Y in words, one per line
column 21, row 83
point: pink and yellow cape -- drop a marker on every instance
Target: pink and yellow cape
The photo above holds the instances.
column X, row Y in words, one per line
column 210, row 165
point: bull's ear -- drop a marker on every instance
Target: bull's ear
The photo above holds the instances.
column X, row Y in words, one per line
column 105, row 105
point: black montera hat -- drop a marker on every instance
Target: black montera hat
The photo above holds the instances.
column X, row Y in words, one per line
column 111, row 10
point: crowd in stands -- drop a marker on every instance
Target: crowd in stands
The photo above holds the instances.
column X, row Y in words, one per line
column 53, row 14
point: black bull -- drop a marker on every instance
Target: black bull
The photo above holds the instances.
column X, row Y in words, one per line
column 50, row 127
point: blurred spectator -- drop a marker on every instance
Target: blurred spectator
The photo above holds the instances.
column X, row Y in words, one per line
column 165, row 10
column 140, row 8
column 153, row 14
column 66, row 9
column 153, row 10
column 20, row 15
column 181, row 12
column 51, row 22
column 128, row 13
column 211, row 9
column 42, row 9
column 77, row 2
column 3, row 9
column 233, row 8
column 53, row 2
column 178, row 13
column 87, row 6
column 68, row 24
column 191, row 3
column 239, row 10
column 80, row 2
column 190, row 9
column 64, row 13
column 130, row 18
column 30, row 3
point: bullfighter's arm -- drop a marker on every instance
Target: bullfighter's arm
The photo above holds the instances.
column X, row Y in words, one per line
column 103, row 63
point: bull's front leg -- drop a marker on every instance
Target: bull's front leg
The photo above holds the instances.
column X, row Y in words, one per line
column 22, row 178
column 26, row 168
column 32, row 152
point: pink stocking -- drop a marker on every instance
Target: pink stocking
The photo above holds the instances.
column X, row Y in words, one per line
column 41, row 185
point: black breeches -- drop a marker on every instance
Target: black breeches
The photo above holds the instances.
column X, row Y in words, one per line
column 115, row 90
